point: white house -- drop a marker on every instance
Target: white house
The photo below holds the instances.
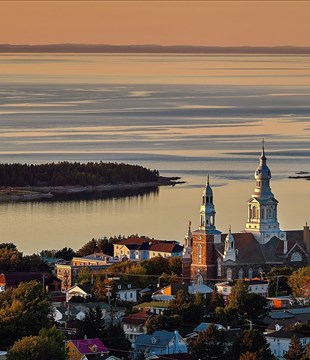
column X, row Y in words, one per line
column 126, row 292
column 279, row 341
column 254, row 286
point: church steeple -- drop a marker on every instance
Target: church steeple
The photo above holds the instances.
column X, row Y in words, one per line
column 262, row 207
column 229, row 250
column 207, row 209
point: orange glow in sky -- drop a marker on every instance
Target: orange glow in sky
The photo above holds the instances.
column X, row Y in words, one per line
column 223, row 23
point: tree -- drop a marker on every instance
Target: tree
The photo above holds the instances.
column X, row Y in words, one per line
column 252, row 341
column 23, row 312
column 295, row 350
column 299, row 282
column 278, row 281
column 208, row 345
column 65, row 253
column 49, row 344
column 306, row 355
column 116, row 341
column 84, row 276
column 163, row 322
column 216, row 300
column 92, row 325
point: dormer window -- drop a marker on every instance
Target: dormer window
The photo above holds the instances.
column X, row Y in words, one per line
column 154, row 340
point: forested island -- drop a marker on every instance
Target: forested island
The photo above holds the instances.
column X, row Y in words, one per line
column 36, row 181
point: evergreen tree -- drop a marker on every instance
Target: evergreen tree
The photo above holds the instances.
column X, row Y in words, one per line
column 208, row 345
column 252, row 341
column 92, row 325
column 295, row 351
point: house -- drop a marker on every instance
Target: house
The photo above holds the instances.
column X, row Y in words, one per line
column 254, row 286
column 84, row 347
column 279, row 341
column 154, row 307
column 83, row 291
column 168, row 292
column 99, row 357
column 134, row 325
column 13, row 279
column 143, row 248
column 94, row 259
column 159, row 343
column 68, row 273
column 181, row 356
column 126, row 292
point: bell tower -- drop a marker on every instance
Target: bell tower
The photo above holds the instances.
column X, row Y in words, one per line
column 262, row 206
column 207, row 210
column 203, row 267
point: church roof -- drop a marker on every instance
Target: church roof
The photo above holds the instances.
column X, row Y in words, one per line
column 250, row 251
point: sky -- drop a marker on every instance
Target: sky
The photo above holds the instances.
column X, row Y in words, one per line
column 213, row 23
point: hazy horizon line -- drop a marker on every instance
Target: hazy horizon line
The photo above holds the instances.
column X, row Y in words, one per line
column 152, row 48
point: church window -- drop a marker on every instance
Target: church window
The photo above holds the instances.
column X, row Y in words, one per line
column 263, row 214
column 260, row 272
column 254, row 212
column 219, row 267
column 250, row 273
column 229, row 274
column 199, row 250
column 240, row 274
column 199, row 280
column 207, row 199
column 296, row 256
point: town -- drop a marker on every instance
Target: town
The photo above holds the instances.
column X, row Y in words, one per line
column 226, row 295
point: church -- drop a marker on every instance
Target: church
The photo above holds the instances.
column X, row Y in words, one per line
column 211, row 255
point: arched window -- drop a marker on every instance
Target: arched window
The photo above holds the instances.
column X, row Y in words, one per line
column 207, row 199
column 199, row 251
column 260, row 272
column 240, row 274
column 199, row 280
column 219, row 267
column 296, row 257
column 229, row 274
column 250, row 273
column 263, row 214
column 254, row 212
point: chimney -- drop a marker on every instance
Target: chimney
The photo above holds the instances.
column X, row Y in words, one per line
column 307, row 238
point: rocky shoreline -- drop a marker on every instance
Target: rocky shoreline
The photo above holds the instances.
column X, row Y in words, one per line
column 47, row 192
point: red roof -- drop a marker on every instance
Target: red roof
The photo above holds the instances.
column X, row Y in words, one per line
column 90, row 346
column 15, row 278
column 136, row 319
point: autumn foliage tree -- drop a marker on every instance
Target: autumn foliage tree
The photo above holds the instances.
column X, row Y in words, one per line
column 24, row 311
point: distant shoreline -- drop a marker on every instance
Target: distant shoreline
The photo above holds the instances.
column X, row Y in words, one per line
column 28, row 193
column 153, row 49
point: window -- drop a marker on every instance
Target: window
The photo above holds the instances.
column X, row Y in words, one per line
column 199, row 280
column 199, row 250
column 250, row 273
column 229, row 274
column 296, row 257
column 240, row 274
column 219, row 267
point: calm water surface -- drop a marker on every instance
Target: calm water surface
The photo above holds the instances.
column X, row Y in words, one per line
column 185, row 115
